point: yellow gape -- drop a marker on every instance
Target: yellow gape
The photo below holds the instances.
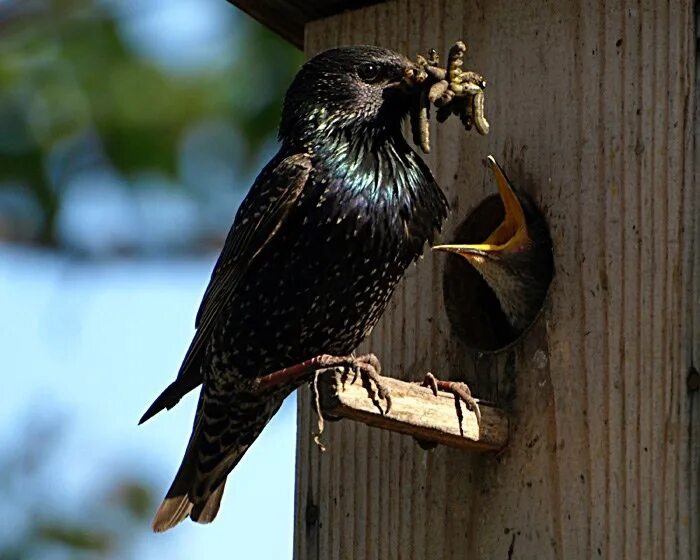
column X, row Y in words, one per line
column 510, row 236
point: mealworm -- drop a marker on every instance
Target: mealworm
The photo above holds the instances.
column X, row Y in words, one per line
column 480, row 122
column 451, row 89
column 424, row 121
column 437, row 90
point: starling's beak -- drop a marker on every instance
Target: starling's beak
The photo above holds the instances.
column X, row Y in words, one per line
column 509, row 237
column 404, row 81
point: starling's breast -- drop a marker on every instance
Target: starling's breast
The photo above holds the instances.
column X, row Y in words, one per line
column 326, row 277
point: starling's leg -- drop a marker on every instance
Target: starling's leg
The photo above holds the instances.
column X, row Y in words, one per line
column 459, row 390
column 367, row 365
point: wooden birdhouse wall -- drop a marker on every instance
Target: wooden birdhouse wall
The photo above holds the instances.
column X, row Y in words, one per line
column 592, row 111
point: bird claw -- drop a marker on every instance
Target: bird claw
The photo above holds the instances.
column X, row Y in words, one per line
column 460, row 391
column 368, row 368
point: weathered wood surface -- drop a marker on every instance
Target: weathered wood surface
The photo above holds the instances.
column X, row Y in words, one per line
column 415, row 411
column 592, row 113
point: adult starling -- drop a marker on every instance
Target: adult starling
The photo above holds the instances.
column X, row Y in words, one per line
column 516, row 259
column 314, row 254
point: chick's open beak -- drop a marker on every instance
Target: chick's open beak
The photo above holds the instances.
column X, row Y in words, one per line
column 510, row 236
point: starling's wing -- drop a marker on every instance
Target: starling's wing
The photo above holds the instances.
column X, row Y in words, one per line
column 258, row 219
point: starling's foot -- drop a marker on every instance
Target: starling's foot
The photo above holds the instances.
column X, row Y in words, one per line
column 459, row 390
column 369, row 368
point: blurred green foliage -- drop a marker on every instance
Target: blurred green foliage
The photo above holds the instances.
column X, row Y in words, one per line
column 75, row 95
column 99, row 519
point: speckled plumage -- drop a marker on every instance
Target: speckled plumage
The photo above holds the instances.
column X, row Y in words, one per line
column 314, row 254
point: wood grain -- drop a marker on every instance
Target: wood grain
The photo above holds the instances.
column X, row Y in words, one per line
column 592, row 108
column 415, row 411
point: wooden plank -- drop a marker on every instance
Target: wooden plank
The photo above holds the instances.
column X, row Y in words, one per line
column 287, row 18
column 592, row 107
column 415, row 411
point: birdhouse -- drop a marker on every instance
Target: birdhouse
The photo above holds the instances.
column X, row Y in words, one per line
column 592, row 116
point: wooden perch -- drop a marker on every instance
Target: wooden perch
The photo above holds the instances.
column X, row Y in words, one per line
column 415, row 411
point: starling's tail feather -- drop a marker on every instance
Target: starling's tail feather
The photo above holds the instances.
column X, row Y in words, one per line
column 205, row 512
column 176, row 508
column 199, row 483
column 171, row 512
column 177, row 504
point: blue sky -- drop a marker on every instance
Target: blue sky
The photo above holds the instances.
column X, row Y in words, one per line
column 91, row 343
column 96, row 343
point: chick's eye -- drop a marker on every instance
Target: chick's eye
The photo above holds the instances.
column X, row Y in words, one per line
column 369, row 72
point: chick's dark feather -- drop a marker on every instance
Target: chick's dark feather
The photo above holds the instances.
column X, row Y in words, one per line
column 313, row 256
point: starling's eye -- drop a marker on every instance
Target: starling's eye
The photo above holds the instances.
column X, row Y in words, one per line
column 370, row 72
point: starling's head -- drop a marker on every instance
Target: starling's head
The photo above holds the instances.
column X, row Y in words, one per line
column 515, row 260
column 348, row 89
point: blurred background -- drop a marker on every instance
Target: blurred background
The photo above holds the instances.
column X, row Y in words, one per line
column 129, row 133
